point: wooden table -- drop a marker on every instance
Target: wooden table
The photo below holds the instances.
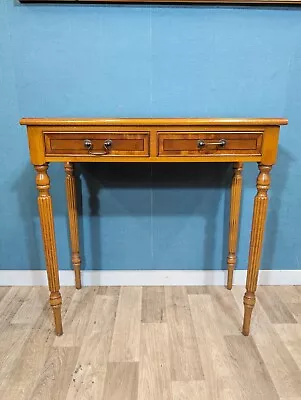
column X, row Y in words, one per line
column 153, row 140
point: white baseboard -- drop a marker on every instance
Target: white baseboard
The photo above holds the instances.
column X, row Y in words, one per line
column 146, row 278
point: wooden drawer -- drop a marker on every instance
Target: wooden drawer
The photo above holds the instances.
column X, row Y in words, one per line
column 202, row 144
column 97, row 143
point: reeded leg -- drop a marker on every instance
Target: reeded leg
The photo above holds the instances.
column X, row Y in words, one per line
column 73, row 221
column 47, row 228
column 257, row 233
column 234, row 219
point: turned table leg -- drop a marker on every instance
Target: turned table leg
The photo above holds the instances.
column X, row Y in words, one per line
column 257, row 233
column 47, row 228
column 236, row 188
column 73, row 221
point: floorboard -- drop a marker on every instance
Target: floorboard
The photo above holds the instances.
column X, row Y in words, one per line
column 150, row 343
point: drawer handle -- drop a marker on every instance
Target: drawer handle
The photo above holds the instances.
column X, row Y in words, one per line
column 202, row 143
column 107, row 146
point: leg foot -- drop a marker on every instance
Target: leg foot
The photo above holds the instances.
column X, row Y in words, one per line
column 76, row 266
column 249, row 302
column 56, row 302
column 231, row 261
column 57, row 320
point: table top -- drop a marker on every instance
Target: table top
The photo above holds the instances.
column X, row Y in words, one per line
column 153, row 121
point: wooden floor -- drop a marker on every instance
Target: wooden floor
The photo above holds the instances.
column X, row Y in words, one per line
column 150, row 343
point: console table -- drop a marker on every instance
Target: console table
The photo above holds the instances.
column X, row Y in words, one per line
column 153, row 140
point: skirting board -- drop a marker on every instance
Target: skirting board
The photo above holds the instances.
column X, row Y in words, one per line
column 148, row 278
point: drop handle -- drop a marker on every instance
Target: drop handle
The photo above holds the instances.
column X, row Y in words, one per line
column 106, row 145
column 201, row 143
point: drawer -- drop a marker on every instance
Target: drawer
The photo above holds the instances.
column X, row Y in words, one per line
column 97, row 143
column 209, row 143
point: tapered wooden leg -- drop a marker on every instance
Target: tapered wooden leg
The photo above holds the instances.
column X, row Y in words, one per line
column 257, row 234
column 47, row 228
column 234, row 219
column 73, row 221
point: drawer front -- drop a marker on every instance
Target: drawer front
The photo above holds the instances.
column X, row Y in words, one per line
column 97, row 143
column 209, row 143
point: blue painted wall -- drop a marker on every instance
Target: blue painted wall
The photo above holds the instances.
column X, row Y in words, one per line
column 153, row 62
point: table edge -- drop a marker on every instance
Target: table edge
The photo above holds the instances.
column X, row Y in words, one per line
column 151, row 121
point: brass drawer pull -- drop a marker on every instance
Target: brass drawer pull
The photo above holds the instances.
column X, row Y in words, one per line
column 201, row 143
column 107, row 146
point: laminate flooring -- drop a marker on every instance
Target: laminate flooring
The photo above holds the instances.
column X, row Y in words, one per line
column 150, row 343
